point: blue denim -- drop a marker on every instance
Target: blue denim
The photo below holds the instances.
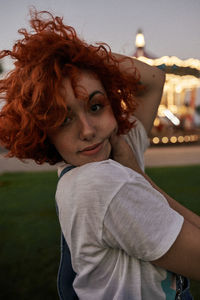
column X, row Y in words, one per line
column 182, row 288
column 66, row 274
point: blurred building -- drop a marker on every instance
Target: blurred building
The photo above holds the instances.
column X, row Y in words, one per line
column 178, row 119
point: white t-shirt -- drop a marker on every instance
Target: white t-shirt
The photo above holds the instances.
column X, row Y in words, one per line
column 115, row 223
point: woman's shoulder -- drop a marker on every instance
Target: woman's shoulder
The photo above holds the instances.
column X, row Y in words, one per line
column 107, row 170
column 91, row 187
column 98, row 176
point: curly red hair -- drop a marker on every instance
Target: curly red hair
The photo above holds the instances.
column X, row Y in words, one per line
column 32, row 90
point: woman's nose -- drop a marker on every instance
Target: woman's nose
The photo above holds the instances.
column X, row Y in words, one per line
column 87, row 129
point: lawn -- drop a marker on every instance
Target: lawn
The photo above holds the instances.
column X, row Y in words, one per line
column 30, row 234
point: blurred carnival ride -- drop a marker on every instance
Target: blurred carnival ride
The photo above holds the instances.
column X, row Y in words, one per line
column 178, row 118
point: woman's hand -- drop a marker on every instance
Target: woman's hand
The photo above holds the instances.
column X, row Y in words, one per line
column 122, row 153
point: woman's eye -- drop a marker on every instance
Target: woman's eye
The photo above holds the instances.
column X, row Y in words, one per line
column 96, row 107
column 67, row 121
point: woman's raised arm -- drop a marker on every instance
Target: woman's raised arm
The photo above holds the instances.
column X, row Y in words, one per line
column 153, row 79
column 184, row 255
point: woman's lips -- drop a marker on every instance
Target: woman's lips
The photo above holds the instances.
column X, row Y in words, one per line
column 92, row 149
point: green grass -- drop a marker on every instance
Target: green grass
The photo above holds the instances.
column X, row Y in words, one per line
column 29, row 251
column 182, row 183
column 30, row 233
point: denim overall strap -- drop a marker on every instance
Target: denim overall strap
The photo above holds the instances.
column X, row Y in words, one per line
column 66, row 273
column 65, row 170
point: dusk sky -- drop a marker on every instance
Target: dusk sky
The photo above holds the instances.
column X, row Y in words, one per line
column 170, row 27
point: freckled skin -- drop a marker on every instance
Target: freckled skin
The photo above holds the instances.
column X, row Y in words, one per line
column 85, row 135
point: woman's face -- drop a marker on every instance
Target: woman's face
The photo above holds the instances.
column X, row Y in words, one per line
column 85, row 135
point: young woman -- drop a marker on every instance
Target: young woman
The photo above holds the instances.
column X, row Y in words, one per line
column 91, row 110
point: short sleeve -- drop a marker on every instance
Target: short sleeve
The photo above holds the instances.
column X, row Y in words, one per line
column 138, row 140
column 140, row 221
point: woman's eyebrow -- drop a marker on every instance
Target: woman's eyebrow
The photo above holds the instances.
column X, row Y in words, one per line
column 94, row 93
